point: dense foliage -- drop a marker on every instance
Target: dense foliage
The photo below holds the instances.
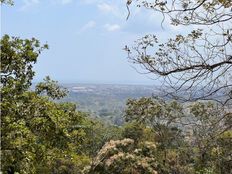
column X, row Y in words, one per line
column 189, row 136
column 122, row 156
column 41, row 135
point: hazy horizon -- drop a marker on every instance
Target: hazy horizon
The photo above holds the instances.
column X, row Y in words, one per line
column 102, row 83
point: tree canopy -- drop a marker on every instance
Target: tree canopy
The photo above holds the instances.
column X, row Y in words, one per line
column 41, row 135
column 34, row 129
column 197, row 64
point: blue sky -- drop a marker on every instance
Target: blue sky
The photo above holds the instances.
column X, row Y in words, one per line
column 86, row 37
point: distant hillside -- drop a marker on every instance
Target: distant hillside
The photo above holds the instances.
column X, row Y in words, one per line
column 106, row 101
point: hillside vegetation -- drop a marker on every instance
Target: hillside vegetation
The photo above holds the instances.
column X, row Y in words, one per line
column 43, row 132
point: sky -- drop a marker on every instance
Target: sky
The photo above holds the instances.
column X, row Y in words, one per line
column 85, row 37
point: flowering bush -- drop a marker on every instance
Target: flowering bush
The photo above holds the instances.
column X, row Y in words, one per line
column 122, row 156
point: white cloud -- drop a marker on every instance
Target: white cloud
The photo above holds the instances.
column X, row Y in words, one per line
column 112, row 27
column 28, row 3
column 88, row 25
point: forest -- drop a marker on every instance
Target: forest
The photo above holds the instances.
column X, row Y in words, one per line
column 187, row 129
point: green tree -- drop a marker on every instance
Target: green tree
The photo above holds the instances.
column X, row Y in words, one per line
column 221, row 153
column 190, row 138
column 210, row 137
column 162, row 119
column 192, row 66
column 160, row 116
column 35, row 131
column 134, row 130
